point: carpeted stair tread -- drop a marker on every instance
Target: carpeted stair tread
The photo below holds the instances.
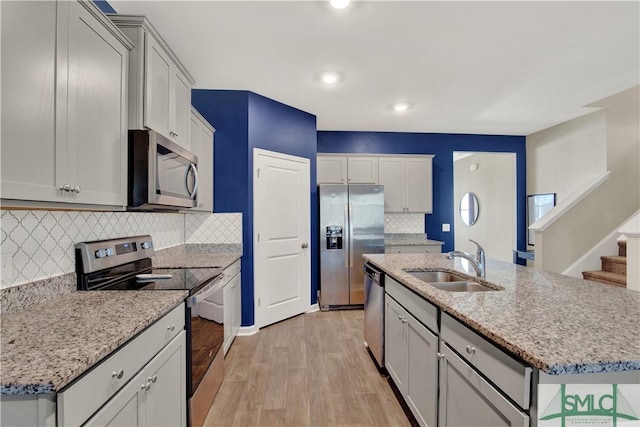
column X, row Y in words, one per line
column 606, row 277
column 622, row 247
column 614, row 264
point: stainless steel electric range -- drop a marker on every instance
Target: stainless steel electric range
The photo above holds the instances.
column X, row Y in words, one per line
column 125, row 264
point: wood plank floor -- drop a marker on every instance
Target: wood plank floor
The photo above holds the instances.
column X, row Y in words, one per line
column 311, row 370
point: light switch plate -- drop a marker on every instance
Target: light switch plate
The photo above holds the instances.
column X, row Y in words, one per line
column 446, row 227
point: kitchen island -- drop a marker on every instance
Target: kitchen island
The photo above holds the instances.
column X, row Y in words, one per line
column 498, row 357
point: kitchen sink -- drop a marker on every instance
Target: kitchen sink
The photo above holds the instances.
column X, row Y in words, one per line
column 449, row 281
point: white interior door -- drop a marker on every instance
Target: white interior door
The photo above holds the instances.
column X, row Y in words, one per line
column 282, row 256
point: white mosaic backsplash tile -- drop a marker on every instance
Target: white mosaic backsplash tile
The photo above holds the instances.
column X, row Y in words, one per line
column 404, row 223
column 218, row 228
column 40, row 244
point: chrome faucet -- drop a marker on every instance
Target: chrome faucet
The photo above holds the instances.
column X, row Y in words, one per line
column 477, row 263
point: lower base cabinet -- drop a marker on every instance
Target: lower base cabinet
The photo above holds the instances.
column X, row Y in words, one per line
column 232, row 303
column 411, row 360
column 156, row 396
column 467, row 399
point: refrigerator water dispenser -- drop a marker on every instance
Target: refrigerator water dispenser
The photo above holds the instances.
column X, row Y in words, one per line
column 334, row 237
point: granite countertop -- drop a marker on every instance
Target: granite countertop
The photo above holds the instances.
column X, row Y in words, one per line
column 558, row 324
column 48, row 345
column 409, row 239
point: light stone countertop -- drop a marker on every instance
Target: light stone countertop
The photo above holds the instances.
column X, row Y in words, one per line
column 46, row 346
column 409, row 239
column 556, row 323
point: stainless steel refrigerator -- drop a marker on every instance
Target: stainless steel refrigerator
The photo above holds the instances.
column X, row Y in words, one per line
column 351, row 224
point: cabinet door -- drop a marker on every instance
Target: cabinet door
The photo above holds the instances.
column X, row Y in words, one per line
column 418, row 182
column 422, row 378
column 124, row 409
column 96, row 121
column 180, row 109
column 236, row 318
column 417, row 249
column 227, row 299
column 395, row 343
column 391, row 175
column 467, row 399
column 331, row 170
column 362, row 170
column 201, row 142
column 165, row 377
column 156, row 87
column 28, row 37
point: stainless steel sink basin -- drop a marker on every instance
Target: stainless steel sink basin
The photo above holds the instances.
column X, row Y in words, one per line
column 462, row 287
column 436, row 276
column 449, row 282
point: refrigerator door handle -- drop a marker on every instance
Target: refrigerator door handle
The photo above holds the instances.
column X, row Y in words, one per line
column 350, row 234
column 346, row 236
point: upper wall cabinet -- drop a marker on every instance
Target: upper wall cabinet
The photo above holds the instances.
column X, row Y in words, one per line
column 160, row 86
column 347, row 170
column 201, row 142
column 407, row 183
column 64, row 111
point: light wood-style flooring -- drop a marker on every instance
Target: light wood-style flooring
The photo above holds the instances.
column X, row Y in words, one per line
column 310, row 370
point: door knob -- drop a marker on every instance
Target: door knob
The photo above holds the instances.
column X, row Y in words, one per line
column 305, row 246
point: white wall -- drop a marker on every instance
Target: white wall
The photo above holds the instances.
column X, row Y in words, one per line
column 494, row 182
column 612, row 136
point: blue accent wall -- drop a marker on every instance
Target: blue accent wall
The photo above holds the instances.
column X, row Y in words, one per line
column 104, row 6
column 442, row 146
column 244, row 120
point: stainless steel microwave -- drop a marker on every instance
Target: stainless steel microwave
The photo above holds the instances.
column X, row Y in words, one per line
column 162, row 175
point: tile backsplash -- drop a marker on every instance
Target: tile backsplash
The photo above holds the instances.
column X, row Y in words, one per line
column 40, row 244
column 404, row 223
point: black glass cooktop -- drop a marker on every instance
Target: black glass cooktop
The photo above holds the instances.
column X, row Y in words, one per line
column 190, row 279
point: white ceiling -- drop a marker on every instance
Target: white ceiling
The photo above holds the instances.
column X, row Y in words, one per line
column 465, row 67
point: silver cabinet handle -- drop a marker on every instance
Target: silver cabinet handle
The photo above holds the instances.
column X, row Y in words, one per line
column 305, row 245
column 146, row 386
column 76, row 189
column 404, row 321
column 440, row 355
column 470, row 349
column 153, row 379
column 171, row 327
column 66, row 187
column 118, row 374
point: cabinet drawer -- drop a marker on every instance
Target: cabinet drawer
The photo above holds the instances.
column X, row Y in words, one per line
column 80, row 400
column 231, row 271
column 421, row 309
column 510, row 375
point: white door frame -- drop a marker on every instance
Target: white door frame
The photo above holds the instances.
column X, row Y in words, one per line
column 256, row 270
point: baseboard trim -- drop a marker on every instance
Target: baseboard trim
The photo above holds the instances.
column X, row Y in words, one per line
column 247, row 330
column 313, row 308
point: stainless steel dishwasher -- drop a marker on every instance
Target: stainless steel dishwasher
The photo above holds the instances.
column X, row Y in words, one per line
column 374, row 313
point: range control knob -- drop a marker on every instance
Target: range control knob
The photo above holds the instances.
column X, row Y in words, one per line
column 101, row 253
column 147, row 245
column 109, row 251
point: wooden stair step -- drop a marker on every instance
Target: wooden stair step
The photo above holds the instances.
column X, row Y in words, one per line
column 606, row 277
column 614, row 264
column 622, row 247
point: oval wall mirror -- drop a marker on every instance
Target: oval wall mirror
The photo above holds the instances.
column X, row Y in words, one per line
column 469, row 208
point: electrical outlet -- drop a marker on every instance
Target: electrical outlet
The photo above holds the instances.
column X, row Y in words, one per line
column 7, row 266
column 446, row 228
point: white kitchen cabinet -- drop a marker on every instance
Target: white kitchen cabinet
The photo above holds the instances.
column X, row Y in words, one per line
column 160, row 88
column 347, row 169
column 411, row 360
column 154, row 397
column 201, row 144
column 407, row 183
column 467, row 399
column 146, row 376
column 413, row 249
column 232, row 300
column 64, row 85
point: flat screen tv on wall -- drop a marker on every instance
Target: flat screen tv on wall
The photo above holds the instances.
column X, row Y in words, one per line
column 537, row 206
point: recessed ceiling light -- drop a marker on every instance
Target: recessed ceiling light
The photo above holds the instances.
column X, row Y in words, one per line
column 339, row 4
column 330, row 78
column 400, row 107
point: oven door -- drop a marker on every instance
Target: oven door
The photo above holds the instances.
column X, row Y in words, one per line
column 205, row 357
